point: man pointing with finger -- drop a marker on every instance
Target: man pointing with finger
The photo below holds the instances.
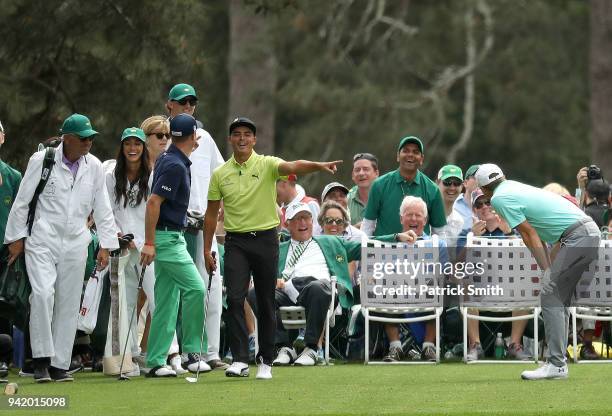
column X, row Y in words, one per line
column 247, row 185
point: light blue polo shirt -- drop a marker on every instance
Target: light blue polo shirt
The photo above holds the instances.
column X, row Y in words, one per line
column 548, row 213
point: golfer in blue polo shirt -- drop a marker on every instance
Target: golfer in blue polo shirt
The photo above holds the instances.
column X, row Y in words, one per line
column 176, row 276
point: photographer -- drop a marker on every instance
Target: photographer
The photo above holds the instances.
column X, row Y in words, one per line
column 594, row 193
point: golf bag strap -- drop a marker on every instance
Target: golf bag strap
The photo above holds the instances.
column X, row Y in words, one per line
column 47, row 166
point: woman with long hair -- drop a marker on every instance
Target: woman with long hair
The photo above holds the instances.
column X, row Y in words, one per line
column 128, row 188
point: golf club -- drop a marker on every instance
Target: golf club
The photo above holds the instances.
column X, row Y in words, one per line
column 122, row 376
column 197, row 377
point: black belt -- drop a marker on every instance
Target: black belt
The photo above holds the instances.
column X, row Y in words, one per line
column 573, row 227
column 251, row 234
column 174, row 228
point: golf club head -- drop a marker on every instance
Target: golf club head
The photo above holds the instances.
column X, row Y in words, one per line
column 191, row 379
column 123, row 377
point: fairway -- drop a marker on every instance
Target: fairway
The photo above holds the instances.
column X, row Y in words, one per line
column 455, row 389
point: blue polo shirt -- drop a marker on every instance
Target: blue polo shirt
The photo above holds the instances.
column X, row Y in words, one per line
column 172, row 181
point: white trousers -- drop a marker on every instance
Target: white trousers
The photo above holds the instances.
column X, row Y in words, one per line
column 56, row 273
column 215, row 299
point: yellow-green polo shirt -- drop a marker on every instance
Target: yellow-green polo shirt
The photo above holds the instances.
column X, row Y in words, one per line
column 248, row 192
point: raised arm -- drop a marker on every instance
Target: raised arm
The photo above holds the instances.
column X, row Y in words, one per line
column 301, row 167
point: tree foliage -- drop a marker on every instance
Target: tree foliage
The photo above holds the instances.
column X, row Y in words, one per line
column 351, row 76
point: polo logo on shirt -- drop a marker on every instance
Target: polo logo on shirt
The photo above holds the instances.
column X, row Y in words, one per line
column 255, row 176
column 166, row 188
column 7, row 200
column 339, row 258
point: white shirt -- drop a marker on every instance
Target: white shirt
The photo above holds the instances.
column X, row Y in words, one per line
column 204, row 160
column 311, row 262
column 64, row 205
column 129, row 219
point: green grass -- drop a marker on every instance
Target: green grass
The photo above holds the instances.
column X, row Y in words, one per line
column 450, row 389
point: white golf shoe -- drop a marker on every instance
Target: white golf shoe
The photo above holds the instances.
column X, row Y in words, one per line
column 308, row 357
column 546, row 371
column 237, row 369
column 286, row 356
column 264, row 371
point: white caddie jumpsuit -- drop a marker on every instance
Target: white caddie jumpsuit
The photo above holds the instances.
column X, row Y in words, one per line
column 56, row 251
column 204, row 160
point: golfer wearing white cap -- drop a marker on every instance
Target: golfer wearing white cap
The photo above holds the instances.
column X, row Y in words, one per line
column 542, row 217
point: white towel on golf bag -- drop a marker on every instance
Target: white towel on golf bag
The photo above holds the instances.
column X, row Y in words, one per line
column 88, row 315
column 112, row 361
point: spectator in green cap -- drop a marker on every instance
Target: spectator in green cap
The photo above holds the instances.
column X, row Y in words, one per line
column 56, row 245
column 463, row 204
column 450, row 180
column 388, row 192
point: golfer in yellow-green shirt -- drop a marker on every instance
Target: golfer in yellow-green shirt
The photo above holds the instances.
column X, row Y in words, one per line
column 247, row 185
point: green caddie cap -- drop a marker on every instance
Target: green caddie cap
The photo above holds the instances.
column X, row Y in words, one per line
column 133, row 132
column 411, row 139
column 180, row 91
column 471, row 171
column 79, row 125
column 450, row 171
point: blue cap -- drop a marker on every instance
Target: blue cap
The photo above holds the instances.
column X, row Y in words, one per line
column 182, row 125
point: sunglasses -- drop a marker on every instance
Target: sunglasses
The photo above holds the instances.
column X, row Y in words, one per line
column 366, row 156
column 452, row 182
column 192, row 101
column 480, row 204
column 90, row 138
column 160, row 135
column 335, row 221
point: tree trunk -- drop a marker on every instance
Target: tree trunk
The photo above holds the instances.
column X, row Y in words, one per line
column 252, row 73
column 600, row 73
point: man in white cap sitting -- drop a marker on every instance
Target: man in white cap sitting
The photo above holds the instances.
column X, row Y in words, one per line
column 305, row 266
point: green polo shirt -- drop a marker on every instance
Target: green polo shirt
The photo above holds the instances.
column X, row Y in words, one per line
column 248, row 192
column 387, row 194
column 356, row 207
column 11, row 179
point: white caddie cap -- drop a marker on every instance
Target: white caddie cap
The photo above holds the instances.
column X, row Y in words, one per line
column 488, row 173
column 293, row 209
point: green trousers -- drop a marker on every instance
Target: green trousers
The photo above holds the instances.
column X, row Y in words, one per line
column 176, row 278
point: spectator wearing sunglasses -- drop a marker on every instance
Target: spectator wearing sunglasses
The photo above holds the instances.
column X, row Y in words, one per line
column 336, row 192
column 157, row 134
column 463, row 204
column 365, row 171
column 450, row 181
column 388, row 192
column 205, row 158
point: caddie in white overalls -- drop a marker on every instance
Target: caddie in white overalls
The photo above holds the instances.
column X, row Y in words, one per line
column 56, row 250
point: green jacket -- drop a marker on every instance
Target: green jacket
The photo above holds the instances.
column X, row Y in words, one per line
column 338, row 254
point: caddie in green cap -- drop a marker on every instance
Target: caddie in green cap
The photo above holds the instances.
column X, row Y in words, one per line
column 182, row 98
column 55, row 240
